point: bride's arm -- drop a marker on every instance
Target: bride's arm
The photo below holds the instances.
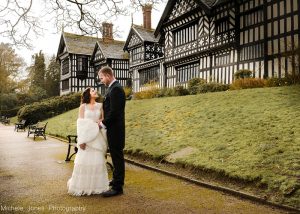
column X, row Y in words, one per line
column 81, row 111
column 81, row 115
column 102, row 113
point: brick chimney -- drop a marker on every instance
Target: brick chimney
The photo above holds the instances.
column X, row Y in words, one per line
column 147, row 8
column 107, row 31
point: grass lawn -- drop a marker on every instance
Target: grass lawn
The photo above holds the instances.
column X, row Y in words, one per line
column 252, row 135
column 13, row 120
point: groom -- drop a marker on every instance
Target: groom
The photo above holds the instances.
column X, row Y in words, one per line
column 114, row 122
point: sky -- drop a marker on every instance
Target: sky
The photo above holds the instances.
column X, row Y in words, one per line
column 49, row 41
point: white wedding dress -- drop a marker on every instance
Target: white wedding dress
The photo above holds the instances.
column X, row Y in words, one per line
column 90, row 173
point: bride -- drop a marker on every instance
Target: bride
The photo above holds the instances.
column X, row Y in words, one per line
column 90, row 173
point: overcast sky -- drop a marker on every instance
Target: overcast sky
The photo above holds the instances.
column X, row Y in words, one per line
column 49, row 42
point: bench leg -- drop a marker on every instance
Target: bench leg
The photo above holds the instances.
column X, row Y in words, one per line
column 109, row 166
column 68, row 158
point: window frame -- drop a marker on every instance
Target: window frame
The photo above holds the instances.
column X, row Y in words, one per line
column 146, row 74
column 185, row 34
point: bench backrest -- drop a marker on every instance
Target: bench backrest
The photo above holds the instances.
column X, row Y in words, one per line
column 41, row 125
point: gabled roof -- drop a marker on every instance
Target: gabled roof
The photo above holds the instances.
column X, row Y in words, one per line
column 206, row 5
column 144, row 34
column 76, row 44
column 112, row 49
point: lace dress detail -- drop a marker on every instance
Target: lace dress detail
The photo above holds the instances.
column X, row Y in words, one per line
column 90, row 173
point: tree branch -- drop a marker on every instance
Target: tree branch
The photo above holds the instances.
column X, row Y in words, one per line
column 19, row 23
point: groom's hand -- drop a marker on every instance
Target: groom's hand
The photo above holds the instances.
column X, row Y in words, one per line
column 99, row 124
column 82, row 146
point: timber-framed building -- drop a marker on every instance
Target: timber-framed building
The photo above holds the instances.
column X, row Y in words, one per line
column 212, row 39
column 209, row 39
column 109, row 52
column 81, row 57
column 146, row 54
column 74, row 55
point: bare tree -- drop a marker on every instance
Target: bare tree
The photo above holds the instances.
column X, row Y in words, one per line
column 20, row 22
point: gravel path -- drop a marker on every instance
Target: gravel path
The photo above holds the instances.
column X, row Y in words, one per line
column 33, row 180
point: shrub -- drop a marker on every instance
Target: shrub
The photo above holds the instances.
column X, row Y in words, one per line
column 147, row 94
column 212, row 87
column 9, row 104
column 248, row 83
column 288, row 80
column 128, row 91
column 180, row 91
column 194, row 83
column 150, row 91
column 8, row 101
column 10, row 112
column 48, row 108
column 165, row 92
column 242, row 74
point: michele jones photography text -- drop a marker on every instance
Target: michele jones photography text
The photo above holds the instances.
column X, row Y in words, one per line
column 49, row 208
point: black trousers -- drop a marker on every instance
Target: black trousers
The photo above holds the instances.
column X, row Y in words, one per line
column 117, row 157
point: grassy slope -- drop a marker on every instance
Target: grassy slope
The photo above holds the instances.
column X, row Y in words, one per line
column 251, row 134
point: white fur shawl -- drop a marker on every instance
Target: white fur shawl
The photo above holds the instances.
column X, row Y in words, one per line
column 88, row 132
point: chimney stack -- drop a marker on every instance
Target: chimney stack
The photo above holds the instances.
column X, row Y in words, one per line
column 147, row 8
column 107, row 31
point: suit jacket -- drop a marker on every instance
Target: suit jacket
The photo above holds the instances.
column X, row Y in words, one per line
column 114, row 115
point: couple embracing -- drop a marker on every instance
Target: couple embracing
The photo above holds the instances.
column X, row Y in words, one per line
column 99, row 125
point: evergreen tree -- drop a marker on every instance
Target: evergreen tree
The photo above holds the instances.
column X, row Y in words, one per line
column 52, row 79
column 37, row 71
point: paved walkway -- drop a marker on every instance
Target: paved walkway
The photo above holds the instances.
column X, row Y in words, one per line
column 33, row 181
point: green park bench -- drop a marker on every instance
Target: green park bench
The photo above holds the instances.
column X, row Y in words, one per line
column 72, row 143
column 38, row 129
column 5, row 120
column 20, row 125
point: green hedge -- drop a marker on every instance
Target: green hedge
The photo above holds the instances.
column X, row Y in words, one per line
column 248, row 83
column 10, row 112
column 47, row 108
column 194, row 84
column 285, row 81
column 212, row 87
column 199, row 86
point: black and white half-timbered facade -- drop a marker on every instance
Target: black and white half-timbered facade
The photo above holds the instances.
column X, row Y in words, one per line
column 109, row 52
column 74, row 54
column 81, row 57
column 209, row 39
column 145, row 55
column 213, row 39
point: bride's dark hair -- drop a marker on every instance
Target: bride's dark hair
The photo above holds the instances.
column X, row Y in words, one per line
column 86, row 96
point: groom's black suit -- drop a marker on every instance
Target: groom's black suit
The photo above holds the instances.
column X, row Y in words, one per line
column 114, row 120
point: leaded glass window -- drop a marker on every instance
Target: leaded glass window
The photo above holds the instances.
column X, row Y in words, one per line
column 186, row 72
column 65, row 66
column 149, row 75
column 185, row 35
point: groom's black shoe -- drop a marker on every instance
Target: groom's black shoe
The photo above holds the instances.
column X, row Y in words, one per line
column 112, row 192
